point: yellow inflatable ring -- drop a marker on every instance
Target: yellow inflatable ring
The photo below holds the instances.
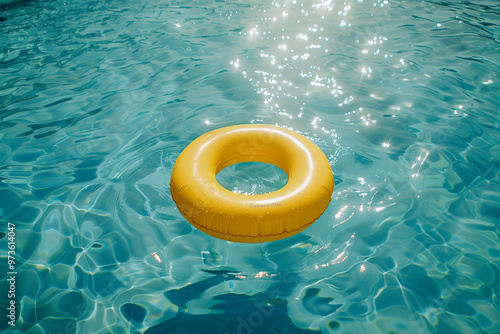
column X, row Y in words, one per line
column 251, row 218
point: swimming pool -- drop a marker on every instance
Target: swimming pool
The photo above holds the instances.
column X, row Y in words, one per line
column 97, row 100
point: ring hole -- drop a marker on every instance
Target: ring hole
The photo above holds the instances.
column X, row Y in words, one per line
column 252, row 178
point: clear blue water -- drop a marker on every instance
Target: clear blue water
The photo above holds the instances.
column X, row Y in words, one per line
column 98, row 98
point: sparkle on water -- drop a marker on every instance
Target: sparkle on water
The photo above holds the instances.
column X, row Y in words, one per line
column 98, row 98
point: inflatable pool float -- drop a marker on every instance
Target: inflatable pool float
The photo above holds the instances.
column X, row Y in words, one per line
column 226, row 215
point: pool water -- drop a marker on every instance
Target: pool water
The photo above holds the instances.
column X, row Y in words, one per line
column 98, row 98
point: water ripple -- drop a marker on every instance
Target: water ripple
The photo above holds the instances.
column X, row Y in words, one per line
column 97, row 100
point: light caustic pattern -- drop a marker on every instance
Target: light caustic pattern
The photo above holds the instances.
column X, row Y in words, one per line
column 99, row 98
column 347, row 63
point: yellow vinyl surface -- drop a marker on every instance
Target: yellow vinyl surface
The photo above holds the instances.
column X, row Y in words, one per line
column 251, row 218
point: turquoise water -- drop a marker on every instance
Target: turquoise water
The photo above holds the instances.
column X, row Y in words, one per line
column 98, row 98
